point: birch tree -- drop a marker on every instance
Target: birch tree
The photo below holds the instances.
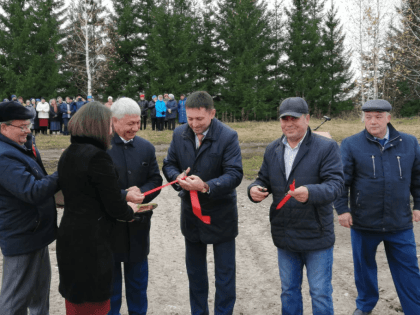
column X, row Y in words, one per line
column 87, row 44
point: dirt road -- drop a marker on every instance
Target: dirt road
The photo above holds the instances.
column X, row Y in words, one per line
column 258, row 283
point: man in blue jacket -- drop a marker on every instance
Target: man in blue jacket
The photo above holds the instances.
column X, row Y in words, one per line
column 381, row 167
column 28, row 216
column 78, row 103
column 303, row 229
column 135, row 160
column 211, row 151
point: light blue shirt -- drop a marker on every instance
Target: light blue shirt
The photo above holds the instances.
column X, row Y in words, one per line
column 290, row 155
column 125, row 141
column 386, row 137
column 197, row 142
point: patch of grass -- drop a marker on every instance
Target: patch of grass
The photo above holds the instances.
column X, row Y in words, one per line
column 251, row 163
column 48, row 142
column 50, row 166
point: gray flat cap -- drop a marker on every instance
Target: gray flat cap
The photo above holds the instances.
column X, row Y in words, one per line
column 293, row 106
column 376, row 106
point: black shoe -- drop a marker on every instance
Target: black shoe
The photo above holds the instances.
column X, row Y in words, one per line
column 359, row 312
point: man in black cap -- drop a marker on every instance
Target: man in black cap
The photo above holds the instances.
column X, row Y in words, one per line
column 209, row 152
column 28, row 216
column 381, row 168
column 303, row 228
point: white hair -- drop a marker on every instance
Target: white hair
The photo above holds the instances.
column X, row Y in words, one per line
column 125, row 106
column 171, row 96
column 110, row 97
column 363, row 115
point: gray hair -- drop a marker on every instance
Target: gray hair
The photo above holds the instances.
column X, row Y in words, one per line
column 59, row 98
column 5, row 123
column 363, row 115
column 125, row 106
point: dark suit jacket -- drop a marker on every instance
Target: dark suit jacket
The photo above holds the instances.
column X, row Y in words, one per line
column 218, row 162
column 136, row 166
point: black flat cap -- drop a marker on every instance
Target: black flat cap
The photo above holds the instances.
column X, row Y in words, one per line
column 293, row 106
column 200, row 99
column 377, row 106
column 13, row 110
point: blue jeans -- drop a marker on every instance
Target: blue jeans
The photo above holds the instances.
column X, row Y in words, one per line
column 319, row 271
column 225, row 274
column 136, row 276
column 400, row 249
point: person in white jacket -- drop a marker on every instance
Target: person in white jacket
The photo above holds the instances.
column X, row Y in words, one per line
column 43, row 109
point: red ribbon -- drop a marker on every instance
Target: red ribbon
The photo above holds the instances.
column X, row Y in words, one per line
column 33, row 150
column 285, row 199
column 194, row 201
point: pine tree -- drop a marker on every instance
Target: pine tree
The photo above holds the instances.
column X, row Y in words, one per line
column 303, row 70
column 172, row 48
column 29, row 42
column 245, row 49
column 132, row 25
column 337, row 67
column 207, row 56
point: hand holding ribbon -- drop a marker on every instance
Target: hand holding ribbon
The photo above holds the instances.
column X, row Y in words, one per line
column 288, row 196
column 188, row 184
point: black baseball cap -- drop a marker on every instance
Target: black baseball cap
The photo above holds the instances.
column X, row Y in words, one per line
column 293, row 106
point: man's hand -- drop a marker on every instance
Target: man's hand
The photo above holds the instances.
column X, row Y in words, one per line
column 346, row 220
column 134, row 196
column 181, row 181
column 258, row 193
column 192, row 182
column 301, row 194
column 416, row 215
column 134, row 188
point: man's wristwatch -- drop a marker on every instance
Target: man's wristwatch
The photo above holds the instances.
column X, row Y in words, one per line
column 205, row 188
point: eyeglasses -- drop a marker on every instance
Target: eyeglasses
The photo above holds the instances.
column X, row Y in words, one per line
column 23, row 128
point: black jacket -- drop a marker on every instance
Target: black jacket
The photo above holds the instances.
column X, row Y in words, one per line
column 303, row 226
column 144, row 107
column 137, row 166
column 93, row 201
column 152, row 108
column 218, row 162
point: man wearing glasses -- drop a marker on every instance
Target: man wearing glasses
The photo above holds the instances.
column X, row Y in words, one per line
column 28, row 215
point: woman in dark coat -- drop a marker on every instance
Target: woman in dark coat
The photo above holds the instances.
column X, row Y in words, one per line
column 93, row 201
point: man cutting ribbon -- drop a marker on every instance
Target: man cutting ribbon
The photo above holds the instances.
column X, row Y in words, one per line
column 302, row 222
column 209, row 152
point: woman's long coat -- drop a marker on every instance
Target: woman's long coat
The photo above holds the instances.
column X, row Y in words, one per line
column 93, row 201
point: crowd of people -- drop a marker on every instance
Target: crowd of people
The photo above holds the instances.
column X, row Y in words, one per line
column 106, row 171
column 55, row 114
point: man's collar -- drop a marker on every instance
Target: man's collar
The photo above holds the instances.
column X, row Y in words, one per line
column 120, row 140
column 125, row 141
column 386, row 135
column 285, row 142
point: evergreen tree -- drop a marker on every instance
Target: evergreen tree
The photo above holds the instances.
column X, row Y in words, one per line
column 29, row 45
column 303, row 70
column 337, row 66
column 207, row 56
column 172, row 48
column 132, row 24
column 245, row 55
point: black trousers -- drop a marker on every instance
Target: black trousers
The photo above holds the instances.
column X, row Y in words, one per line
column 160, row 123
column 171, row 124
column 154, row 121
column 143, row 122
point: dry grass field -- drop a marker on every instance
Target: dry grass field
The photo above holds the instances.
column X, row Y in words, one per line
column 253, row 137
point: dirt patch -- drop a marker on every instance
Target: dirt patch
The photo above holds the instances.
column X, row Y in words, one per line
column 258, row 282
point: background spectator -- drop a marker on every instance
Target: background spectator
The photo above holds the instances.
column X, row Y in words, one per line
column 160, row 112
column 54, row 117
column 43, row 109
column 144, row 106
column 182, row 115
column 152, row 109
column 171, row 108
